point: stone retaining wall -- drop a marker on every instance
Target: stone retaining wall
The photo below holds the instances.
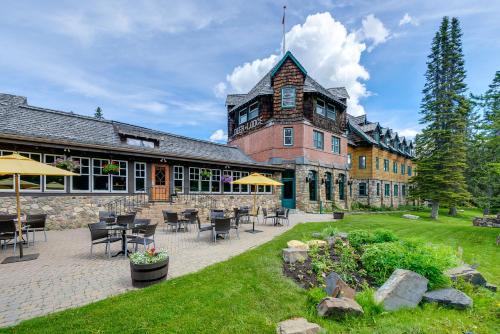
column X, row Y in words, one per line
column 486, row 221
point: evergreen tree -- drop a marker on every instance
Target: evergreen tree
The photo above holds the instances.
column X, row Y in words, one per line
column 98, row 113
column 483, row 172
column 441, row 150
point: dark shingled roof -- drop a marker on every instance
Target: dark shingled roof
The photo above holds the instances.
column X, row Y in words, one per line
column 17, row 118
column 363, row 130
column 263, row 87
column 341, row 92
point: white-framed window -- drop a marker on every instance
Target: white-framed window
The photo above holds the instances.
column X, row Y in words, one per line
column 227, row 186
column 6, row 181
column 335, row 144
column 244, row 187
column 253, row 111
column 265, row 189
column 119, row 180
column 139, row 177
column 31, row 182
column 236, row 187
column 204, row 180
column 287, row 136
column 318, row 140
column 243, row 116
column 100, row 180
column 179, row 179
column 330, row 111
column 54, row 183
column 81, row 183
column 215, row 185
column 288, row 97
column 320, row 107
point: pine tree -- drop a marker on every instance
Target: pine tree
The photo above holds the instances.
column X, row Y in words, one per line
column 98, row 113
column 483, row 172
column 441, row 150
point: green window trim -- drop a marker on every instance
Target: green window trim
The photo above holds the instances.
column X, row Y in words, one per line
column 287, row 100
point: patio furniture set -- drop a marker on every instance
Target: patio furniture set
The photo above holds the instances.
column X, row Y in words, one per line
column 31, row 223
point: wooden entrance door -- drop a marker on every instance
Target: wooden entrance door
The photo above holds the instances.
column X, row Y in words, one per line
column 160, row 190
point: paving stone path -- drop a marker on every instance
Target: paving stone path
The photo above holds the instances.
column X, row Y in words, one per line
column 66, row 276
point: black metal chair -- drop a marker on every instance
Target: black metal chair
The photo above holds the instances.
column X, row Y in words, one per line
column 36, row 223
column 255, row 214
column 222, row 226
column 101, row 236
column 266, row 216
column 146, row 236
column 171, row 219
column 203, row 227
column 215, row 214
column 8, row 232
column 138, row 223
column 283, row 216
column 235, row 221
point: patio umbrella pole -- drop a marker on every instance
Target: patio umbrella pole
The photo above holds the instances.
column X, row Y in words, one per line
column 19, row 223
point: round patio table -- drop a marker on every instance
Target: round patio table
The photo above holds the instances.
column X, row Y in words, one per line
column 123, row 229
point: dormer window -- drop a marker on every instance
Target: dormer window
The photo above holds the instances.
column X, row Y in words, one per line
column 375, row 135
column 330, row 111
column 253, row 111
column 288, row 97
column 140, row 142
column 320, row 108
column 243, row 116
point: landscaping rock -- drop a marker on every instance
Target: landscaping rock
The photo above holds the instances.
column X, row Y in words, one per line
column 342, row 235
column 336, row 287
column 297, row 326
column 468, row 274
column 491, row 287
column 486, row 222
column 338, row 307
column 297, row 244
column 317, row 235
column 408, row 216
column 317, row 243
column 292, row 255
column 448, row 297
column 404, row 288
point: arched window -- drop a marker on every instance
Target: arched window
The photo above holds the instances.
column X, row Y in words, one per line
column 328, row 186
column 313, row 185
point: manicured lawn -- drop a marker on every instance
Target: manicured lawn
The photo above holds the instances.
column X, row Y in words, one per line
column 248, row 293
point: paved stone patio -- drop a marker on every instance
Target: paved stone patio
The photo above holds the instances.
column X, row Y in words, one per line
column 65, row 275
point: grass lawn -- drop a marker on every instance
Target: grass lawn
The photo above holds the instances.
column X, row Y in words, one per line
column 249, row 294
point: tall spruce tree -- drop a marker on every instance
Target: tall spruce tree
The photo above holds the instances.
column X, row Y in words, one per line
column 441, row 150
column 483, row 172
column 98, row 113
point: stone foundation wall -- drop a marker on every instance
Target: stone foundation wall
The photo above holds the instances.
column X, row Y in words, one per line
column 378, row 200
column 303, row 202
column 63, row 212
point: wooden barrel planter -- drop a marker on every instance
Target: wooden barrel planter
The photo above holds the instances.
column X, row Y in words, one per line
column 147, row 274
column 338, row 215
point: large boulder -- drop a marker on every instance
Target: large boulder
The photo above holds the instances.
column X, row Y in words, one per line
column 336, row 287
column 448, row 297
column 466, row 273
column 408, row 216
column 404, row 288
column 338, row 307
column 292, row 255
column 297, row 244
column 297, row 326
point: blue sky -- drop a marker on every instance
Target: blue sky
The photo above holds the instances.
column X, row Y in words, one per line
column 167, row 65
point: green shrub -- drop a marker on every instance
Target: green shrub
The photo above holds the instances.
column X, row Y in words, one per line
column 380, row 260
column 366, row 299
column 329, row 231
column 314, row 296
column 358, row 238
column 383, row 235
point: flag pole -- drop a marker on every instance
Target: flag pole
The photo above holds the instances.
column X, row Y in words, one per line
column 283, row 24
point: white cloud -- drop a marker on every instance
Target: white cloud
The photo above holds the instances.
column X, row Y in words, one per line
column 329, row 52
column 220, row 90
column 372, row 29
column 218, row 136
column 407, row 19
column 153, row 107
column 409, row 133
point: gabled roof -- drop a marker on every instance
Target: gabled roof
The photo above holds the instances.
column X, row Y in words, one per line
column 264, row 87
column 25, row 122
column 341, row 92
column 288, row 55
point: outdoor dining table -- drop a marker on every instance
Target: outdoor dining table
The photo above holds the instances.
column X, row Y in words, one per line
column 123, row 229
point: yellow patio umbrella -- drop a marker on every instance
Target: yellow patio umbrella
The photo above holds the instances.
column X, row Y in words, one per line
column 17, row 165
column 256, row 179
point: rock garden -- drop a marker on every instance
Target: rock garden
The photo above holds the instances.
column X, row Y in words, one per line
column 346, row 273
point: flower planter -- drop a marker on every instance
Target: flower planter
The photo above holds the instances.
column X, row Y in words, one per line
column 147, row 274
column 338, row 215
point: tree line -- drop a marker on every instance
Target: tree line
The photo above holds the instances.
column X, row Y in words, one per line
column 458, row 151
